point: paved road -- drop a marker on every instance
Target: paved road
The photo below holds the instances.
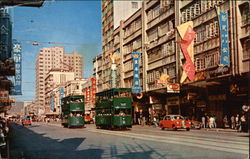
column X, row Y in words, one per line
column 51, row 141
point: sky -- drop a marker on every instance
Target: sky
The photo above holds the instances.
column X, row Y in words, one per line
column 75, row 22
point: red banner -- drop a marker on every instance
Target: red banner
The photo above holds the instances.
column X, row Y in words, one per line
column 93, row 80
column 87, row 95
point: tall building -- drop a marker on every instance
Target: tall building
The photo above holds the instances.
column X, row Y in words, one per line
column 54, row 58
column 153, row 31
column 112, row 13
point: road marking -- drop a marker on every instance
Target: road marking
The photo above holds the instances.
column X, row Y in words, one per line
column 209, row 145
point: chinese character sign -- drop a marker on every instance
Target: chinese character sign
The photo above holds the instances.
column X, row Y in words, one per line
column 136, row 82
column 93, row 81
column 17, row 56
column 87, row 95
column 223, row 22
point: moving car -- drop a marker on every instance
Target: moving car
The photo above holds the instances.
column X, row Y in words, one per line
column 175, row 122
column 26, row 121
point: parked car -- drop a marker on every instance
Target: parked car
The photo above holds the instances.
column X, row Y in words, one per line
column 175, row 122
column 26, row 121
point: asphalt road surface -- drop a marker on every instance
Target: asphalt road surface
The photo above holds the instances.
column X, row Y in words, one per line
column 51, row 141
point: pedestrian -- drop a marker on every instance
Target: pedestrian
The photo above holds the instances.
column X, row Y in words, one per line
column 155, row 121
column 203, row 119
column 225, row 121
column 214, row 122
column 232, row 122
column 207, row 121
column 237, row 122
column 211, row 122
column 242, row 123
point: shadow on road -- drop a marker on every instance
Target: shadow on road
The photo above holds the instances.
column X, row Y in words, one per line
column 27, row 144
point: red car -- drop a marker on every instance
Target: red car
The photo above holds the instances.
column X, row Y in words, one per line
column 175, row 122
column 26, row 121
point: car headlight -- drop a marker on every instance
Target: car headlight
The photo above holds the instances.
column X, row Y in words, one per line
column 177, row 122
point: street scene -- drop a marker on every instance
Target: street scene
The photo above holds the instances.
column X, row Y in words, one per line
column 150, row 79
column 53, row 141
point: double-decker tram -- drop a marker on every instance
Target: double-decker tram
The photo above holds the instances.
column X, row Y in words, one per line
column 114, row 108
column 72, row 111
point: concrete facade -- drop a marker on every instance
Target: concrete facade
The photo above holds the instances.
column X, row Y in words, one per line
column 54, row 58
column 152, row 31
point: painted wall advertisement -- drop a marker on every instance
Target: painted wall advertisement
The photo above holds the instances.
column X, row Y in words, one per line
column 17, row 56
column 136, row 82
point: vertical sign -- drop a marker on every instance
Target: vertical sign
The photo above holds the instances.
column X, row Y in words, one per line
column 52, row 102
column 5, row 34
column 87, row 94
column 187, row 46
column 223, row 22
column 17, row 89
column 136, row 82
column 93, row 80
column 61, row 93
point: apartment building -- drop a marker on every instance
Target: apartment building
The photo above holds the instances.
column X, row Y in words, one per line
column 54, row 78
column 112, row 13
column 152, row 30
column 54, row 58
column 66, row 88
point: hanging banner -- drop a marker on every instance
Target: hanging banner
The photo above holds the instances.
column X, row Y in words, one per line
column 187, row 46
column 87, row 94
column 223, row 22
column 136, row 82
column 17, row 89
column 93, row 83
column 5, row 34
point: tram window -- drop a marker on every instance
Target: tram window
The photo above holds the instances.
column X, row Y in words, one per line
column 122, row 111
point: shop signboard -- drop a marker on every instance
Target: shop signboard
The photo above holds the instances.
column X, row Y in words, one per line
column 87, row 95
column 224, row 39
column 5, row 35
column 173, row 88
column 17, row 56
column 93, row 89
column 136, row 81
column 187, row 46
column 61, row 89
column 52, row 102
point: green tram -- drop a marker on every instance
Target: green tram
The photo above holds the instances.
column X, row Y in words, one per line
column 114, row 108
column 72, row 111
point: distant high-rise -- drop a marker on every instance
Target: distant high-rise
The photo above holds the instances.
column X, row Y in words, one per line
column 54, row 58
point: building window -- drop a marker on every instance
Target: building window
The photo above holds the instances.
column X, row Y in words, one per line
column 134, row 5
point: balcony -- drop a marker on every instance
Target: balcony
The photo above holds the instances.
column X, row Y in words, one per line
column 160, row 18
column 161, row 40
column 133, row 35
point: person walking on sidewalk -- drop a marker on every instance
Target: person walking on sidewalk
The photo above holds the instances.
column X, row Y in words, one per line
column 203, row 119
column 225, row 121
column 237, row 121
column 211, row 122
column 232, row 122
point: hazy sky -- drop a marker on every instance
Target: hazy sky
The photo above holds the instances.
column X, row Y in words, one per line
column 74, row 22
